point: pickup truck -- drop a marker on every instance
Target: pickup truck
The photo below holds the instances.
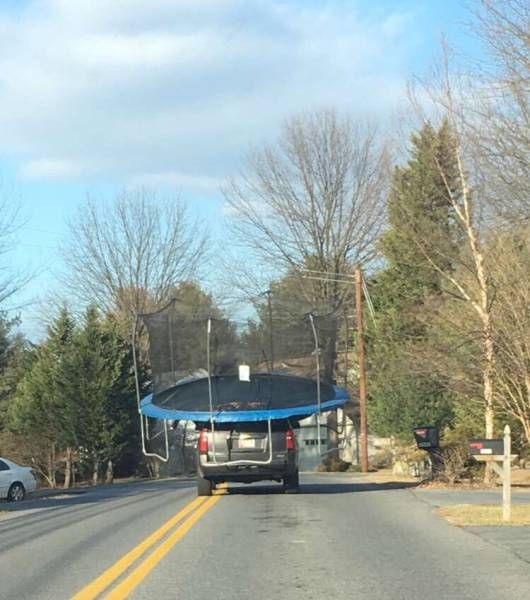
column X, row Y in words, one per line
column 246, row 452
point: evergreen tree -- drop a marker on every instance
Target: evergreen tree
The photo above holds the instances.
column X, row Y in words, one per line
column 42, row 405
column 78, row 396
column 402, row 396
column 103, row 389
column 14, row 354
column 419, row 203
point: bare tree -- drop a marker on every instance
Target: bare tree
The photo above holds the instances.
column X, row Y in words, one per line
column 313, row 206
column 502, row 103
column 510, row 258
column 314, row 200
column 469, row 279
column 10, row 281
column 489, row 112
column 129, row 256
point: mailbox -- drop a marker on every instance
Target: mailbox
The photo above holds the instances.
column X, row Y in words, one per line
column 426, row 437
column 485, row 447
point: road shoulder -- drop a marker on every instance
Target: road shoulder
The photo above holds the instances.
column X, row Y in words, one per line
column 514, row 538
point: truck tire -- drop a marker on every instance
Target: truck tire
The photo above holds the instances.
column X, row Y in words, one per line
column 204, row 486
column 291, row 483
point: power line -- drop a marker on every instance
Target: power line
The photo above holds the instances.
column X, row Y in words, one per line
column 352, row 277
column 366, row 293
column 369, row 303
column 351, row 281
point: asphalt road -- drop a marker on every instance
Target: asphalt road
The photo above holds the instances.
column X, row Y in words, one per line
column 338, row 538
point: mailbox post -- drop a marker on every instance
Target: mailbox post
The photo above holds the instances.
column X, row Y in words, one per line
column 427, row 438
column 497, row 451
column 507, row 476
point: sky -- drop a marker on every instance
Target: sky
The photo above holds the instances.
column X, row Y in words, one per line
column 98, row 96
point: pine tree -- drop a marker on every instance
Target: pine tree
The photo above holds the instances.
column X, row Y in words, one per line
column 419, row 204
column 103, row 388
column 418, row 208
column 14, row 354
column 42, row 405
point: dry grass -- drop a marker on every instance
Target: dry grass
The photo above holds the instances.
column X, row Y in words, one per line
column 461, row 485
column 521, row 477
column 386, row 476
column 469, row 515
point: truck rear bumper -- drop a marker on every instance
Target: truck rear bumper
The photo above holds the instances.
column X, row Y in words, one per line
column 246, row 473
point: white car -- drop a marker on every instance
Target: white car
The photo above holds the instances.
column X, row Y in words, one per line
column 15, row 481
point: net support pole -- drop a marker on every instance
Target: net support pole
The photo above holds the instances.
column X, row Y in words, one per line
column 135, row 364
column 271, row 337
column 137, row 387
column 210, row 399
column 317, row 355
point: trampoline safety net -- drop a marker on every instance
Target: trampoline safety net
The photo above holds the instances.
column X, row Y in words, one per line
column 206, row 365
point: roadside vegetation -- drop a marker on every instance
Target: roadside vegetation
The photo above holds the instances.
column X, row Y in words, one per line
column 476, row 515
column 437, row 217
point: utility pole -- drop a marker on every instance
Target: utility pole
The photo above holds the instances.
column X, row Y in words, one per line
column 271, row 337
column 362, row 368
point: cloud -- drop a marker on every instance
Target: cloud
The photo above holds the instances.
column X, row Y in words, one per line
column 50, row 169
column 175, row 91
column 177, row 180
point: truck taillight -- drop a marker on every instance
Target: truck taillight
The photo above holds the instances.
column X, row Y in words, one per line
column 289, row 439
column 203, row 441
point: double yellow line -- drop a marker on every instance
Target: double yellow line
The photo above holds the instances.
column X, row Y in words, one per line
column 185, row 519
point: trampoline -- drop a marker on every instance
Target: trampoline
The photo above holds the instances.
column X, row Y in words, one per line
column 209, row 369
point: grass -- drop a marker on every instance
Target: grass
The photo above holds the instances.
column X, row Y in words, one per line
column 386, row 475
column 521, row 477
column 469, row 515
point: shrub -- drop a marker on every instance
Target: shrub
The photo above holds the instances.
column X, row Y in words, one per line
column 354, row 468
column 524, row 457
column 409, row 460
column 382, row 459
column 332, row 463
column 454, row 464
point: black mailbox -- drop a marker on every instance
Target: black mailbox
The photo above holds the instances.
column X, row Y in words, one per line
column 481, row 447
column 426, row 437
